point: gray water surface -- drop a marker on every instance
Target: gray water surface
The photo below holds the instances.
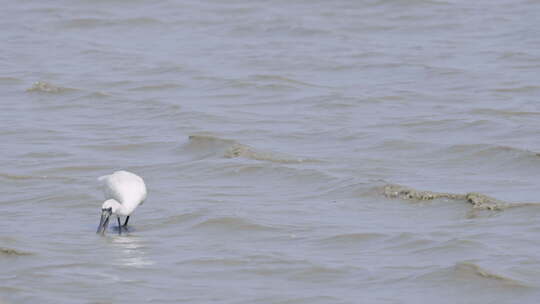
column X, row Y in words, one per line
column 267, row 132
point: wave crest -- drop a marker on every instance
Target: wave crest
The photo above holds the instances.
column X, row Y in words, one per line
column 468, row 269
column 229, row 148
column 12, row 252
column 46, row 87
column 477, row 200
column 231, row 223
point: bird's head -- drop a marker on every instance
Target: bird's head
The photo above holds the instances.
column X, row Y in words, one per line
column 111, row 204
column 108, row 208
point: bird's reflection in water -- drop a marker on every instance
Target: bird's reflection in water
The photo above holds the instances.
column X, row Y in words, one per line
column 132, row 251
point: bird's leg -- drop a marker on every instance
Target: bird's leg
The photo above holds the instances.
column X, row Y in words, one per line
column 119, row 226
column 125, row 223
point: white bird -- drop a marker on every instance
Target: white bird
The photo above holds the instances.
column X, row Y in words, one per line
column 124, row 191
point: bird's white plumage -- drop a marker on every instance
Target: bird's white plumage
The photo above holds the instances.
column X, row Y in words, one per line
column 127, row 188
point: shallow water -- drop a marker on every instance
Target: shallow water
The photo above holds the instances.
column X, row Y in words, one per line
column 267, row 133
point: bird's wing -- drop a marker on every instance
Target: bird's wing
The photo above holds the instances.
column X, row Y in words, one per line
column 108, row 187
column 124, row 187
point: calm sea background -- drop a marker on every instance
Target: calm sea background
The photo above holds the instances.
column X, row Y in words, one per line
column 265, row 131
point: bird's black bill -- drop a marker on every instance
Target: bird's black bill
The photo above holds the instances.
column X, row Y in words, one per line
column 104, row 221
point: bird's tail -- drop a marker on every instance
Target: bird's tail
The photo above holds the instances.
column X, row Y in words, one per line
column 103, row 178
